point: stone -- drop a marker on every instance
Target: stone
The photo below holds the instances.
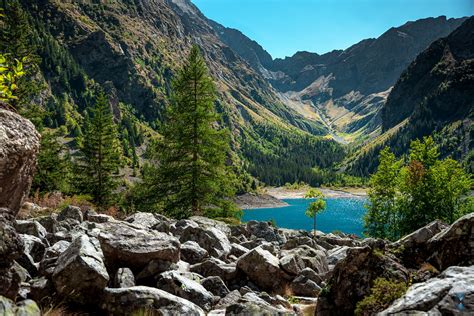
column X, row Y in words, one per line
column 51, row 255
column 206, row 222
column 176, row 284
column 41, row 289
column 180, row 226
column 147, row 220
column 353, row 277
column 263, row 269
column 10, row 282
column 99, row 218
column 50, row 223
column 454, row 245
column 124, row 278
column 307, row 283
column 23, row 308
column 193, row 253
column 80, row 274
column 11, row 249
column 126, row 245
column 71, row 212
column 238, row 250
column 336, row 254
column 215, row 267
column 412, row 249
column 295, row 260
column 209, row 238
column 149, row 274
column 215, row 285
column 302, row 241
column 266, row 231
column 133, row 300
column 451, row 293
column 34, row 246
column 30, row 227
column 19, row 146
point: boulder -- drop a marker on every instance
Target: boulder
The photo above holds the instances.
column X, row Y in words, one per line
column 302, row 241
column 19, row 146
column 180, row 226
column 142, row 299
column 454, row 245
column 11, row 249
column 193, row 253
column 34, row 246
column 51, row 255
column 147, row 220
column 263, row 269
column 266, row 231
column 41, row 290
column 238, row 250
column 71, row 212
column 215, row 285
column 80, row 274
column 215, row 267
column 124, row 278
column 99, row 218
column 209, row 238
column 295, row 260
column 353, row 278
column 23, row 308
column 126, row 245
column 412, row 248
column 176, row 284
column 50, row 223
column 451, row 293
column 307, row 283
column 30, row 227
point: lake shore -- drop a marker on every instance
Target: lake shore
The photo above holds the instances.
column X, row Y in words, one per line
column 272, row 197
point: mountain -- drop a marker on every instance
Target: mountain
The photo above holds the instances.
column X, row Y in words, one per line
column 346, row 88
column 132, row 49
column 433, row 96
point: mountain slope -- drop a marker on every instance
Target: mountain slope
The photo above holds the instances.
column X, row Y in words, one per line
column 434, row 95
column 133, row 48
column 348, row 87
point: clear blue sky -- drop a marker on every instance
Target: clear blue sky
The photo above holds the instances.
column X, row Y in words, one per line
column 284, row 27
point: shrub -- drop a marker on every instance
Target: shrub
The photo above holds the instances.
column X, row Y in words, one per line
column 382, row 294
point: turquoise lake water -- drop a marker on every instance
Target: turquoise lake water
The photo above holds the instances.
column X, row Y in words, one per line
column 342, row 214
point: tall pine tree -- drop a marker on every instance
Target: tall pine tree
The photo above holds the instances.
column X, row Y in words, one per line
column 16, row 43
column 191, row 177
column 99, row 155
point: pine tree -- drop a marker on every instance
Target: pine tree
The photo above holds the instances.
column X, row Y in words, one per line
column 54, row 166
column 191, row 177
column 16, row 43
column 99, row 155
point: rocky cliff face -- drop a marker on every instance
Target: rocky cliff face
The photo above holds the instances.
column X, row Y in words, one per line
column 347, row 87
column 433, row 95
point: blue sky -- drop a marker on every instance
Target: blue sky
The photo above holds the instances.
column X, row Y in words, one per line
column 284, row 27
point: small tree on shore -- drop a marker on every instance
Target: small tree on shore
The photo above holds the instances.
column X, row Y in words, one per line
column 316, row 206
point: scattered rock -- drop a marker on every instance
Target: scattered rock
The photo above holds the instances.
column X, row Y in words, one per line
column 124, row 278
column 265, row 231
column 128, row 301
column 80, row 274
column 147, row 220
column 193, row 253
column 174, row 283
column 295, row 260
column 125, row 245
column 209, row 238
column 23, row 308
column 263, row 269
column 353, row 277
column 71, row 212
column 215, row 267
column 30, row 227
column 454, row 245
column 215, row 285
column 451, row 293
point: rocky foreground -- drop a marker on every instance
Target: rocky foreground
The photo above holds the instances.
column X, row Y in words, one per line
column 199, row 266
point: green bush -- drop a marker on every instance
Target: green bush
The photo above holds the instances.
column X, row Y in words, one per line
column 382, row 294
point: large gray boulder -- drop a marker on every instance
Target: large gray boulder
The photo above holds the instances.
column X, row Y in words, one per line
column 210, row 238
column 142, row 299
column 192, row 253
column 147, row 220
column 124, row 278
column 263, row 269
column 30, row 227
column 353, row 277
column 295, row 260
column 215, row 267
column 127, row 245
column 175, row 283
column 80, row 275
column 451, row 293
column 266, row 231
column 454, row 245
column 215, row 285
column 19, row 146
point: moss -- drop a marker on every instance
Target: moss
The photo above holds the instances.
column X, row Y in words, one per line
column 382, row 294
column 293, row 300
column 325, row 291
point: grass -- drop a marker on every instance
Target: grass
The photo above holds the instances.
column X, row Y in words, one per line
column 382, row 294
